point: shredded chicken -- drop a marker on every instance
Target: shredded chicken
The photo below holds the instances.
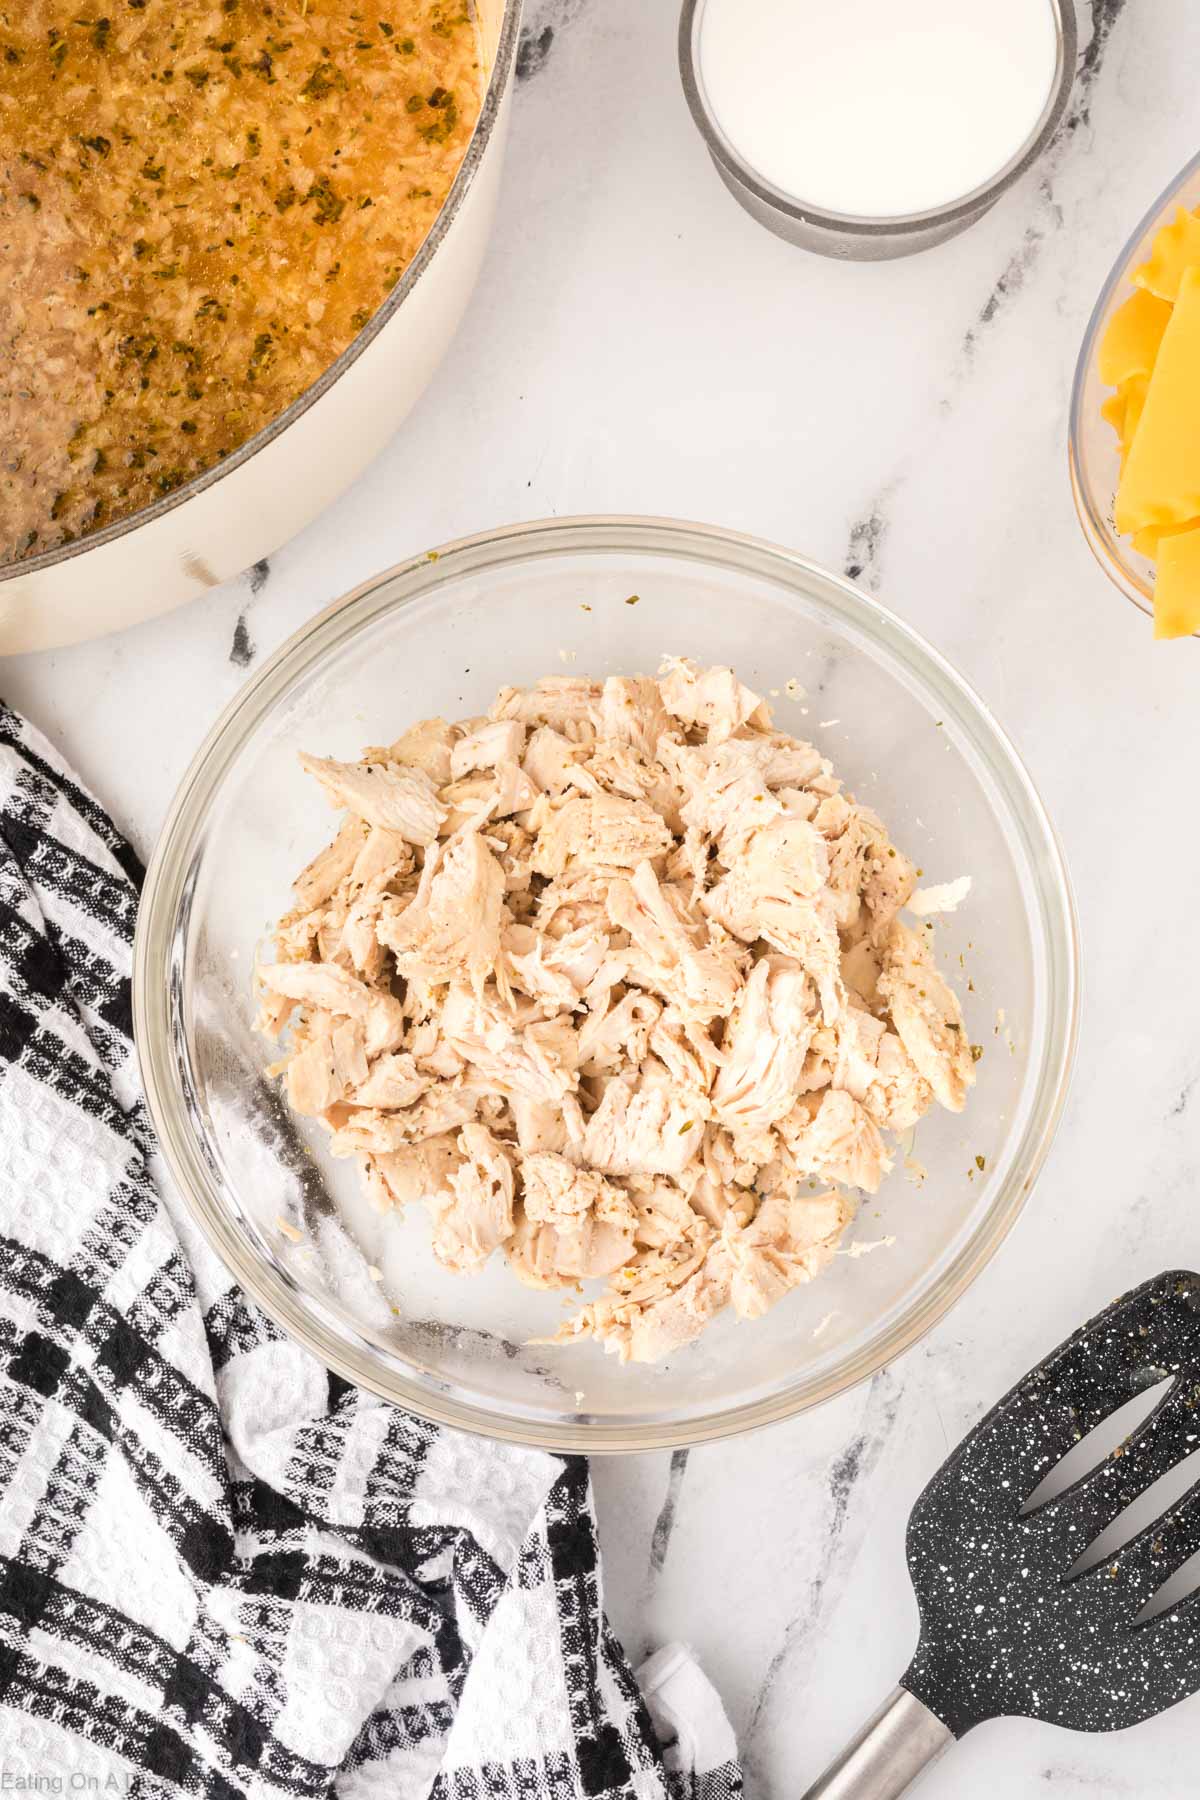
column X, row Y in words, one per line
column 612, row 981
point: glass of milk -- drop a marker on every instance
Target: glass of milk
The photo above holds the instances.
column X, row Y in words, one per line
column 867, row 128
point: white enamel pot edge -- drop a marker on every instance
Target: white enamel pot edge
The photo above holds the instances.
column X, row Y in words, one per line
column 281, row 479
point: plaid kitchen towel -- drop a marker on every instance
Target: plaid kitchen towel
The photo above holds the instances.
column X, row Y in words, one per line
column 223, row 1571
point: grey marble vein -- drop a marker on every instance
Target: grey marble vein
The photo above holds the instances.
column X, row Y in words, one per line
column 1184, row 1098
column 1048, row 217
column 1016, row 272
column 852, row 1469
column 1105, row 14
column 538, row 33
column 864, row 552
column 241, row 651
column 664, row 1525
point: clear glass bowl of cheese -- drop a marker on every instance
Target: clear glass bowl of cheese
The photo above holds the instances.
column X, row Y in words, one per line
column 1094, row 449
column 440, row 635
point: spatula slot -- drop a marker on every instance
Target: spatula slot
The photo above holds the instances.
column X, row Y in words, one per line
column 1096, row 1446
column 1158, row 1499
column 1179, row 1587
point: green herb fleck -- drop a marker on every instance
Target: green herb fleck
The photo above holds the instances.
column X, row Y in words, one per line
column 323, row 79
column 329, row 208
column 260, row 356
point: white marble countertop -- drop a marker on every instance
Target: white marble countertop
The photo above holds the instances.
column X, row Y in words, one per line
column 637, row 344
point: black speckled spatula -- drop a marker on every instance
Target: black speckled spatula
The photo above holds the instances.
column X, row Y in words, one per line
column 1006, row 1628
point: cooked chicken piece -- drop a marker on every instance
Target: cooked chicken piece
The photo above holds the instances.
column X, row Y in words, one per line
column 558, row 1194
column 274, row 1012
column 766, row 1041
column 419, row 1171
column 697, row 969
column 667, row 1218
column 927, row 1016
column 725, row 795
column 478, row 1218
column 711, row 700
column 621, row 1035
column 452, row 925
column 607, row 831
column 712, row 1202
column 400, row 798
column 787, row 1242
column 889, row 880
column 860, row 970
column 554, row 700
column 631, row 711
column 394, row 1081
column 723, row 1162
column 685, row 1050
column 491, row 744
column 650, row 1130
column 618, row 769
column 349, row 1043
column 851, row 839
column 384, row 856
column 688, row 864
column 328, row 988
column 859, row 1035
column 511, row 1052
column 760, row 898
column 300, row 936
column 647, row 1329
column 899, row 1094
column 788, row 762
column 833, row 1138
column 556, row 970
column 487, row 796
column 374, row 1186
column 358, row 940
column 607, row 978
column 313, row 1083
column 426, row 745
column 574, row 1224
column 316, row 984
column 551, row 759
column 440, row 1109
column 540, row 1125
column 329, row 868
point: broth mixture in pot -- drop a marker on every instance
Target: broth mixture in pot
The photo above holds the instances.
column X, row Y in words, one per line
column 200, row 207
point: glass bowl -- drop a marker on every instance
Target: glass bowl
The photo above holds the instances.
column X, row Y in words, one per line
column 440, row 635
column 1093, row 452
column 859, row 238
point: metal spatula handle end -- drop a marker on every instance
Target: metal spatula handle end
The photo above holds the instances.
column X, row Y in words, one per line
column 891, row 1750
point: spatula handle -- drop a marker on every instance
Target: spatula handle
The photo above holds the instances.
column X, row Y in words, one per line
column 888, row 1754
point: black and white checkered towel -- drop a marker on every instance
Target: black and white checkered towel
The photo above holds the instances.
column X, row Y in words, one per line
column 223, row 1571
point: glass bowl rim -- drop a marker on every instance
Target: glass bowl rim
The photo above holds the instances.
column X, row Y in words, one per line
column 1101, row 538
column 350, row 1352
column 964, row 208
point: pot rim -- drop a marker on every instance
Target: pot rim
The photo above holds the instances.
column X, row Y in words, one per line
column 498, row 85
